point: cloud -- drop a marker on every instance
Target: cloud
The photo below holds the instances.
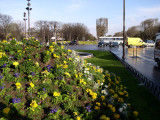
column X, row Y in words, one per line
column 74, row 5
column 153, row 10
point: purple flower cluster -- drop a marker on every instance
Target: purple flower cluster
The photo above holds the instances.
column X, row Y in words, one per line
column 16, row 74
column 2, row 87
column 1, row 77
column 49, row 68
column 33, row 74
column 53, row 110
column 88, row 108
column 44, row 89
column 60, row 78
column 16, row 100
column 4, row 65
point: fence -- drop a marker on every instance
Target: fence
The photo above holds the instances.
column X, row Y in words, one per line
column 155, row 89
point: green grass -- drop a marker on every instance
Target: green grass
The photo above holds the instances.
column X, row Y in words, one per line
column 140, row 97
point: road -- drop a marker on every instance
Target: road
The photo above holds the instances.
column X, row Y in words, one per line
column 142, row 59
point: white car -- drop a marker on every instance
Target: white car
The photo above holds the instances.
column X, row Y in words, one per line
column 150, row 43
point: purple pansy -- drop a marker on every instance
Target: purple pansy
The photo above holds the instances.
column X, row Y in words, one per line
column 88, row 108
column 33, row 74
column 53, row 110
column 16, row 74
column 4, row 65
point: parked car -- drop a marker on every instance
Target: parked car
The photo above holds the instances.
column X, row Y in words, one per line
column 149, row 43
column 114, row 44
column 101, row 44
column 73, row 42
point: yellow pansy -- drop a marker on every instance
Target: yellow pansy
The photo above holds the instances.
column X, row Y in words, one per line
column 18, row 85
column 31, row 84
column 116, row 116
column 15, row 64
column 6, row 110
column 102, row 98
column 78, row 118
column 56, row 94
column 34, row 104
column 69, row 50
column 135, row 113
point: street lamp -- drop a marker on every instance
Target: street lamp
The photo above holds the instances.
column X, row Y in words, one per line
column 55, row 28
column 124, row 36
column 28, row 8
column 25, row 22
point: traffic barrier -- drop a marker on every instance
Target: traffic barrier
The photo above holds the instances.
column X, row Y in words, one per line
column 153, row 87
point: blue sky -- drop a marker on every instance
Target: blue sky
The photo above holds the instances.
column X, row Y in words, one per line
column 85, row 11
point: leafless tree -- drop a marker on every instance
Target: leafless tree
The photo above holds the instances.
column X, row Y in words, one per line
column 133, row 31
column 5, row 21
column 74, row 31
column 101, row 26
column 149, row 28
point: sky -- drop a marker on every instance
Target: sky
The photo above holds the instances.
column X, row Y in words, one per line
column 85, row 11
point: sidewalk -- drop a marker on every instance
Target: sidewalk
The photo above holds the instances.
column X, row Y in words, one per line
column 143, row 70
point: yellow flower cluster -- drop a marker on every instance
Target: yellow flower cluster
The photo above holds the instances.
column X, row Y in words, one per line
column 103, row 117
column 78, row 118
column 94, row 95
column 82, row 82
column 116, row 116
column 103, row 98
column 34, row 104
column 61, row 65
column 69, row 50
column 2, row 54
column 113, row 109
column 56, row 94
column 56, row 56
column 51, row 49
column 18, row 85
column 62, row 47
column 31, row 84
column 6, row 110
column 135, row 113
column 45, row 72
column 37, row 64
column 66, row 73
column 53, row 43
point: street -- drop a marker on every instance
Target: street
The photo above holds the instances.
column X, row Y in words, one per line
column 142, row 59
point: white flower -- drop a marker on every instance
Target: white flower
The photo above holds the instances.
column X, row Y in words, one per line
column 101, row 84
column 120, row 109
column 106, row 86
column 104, row 92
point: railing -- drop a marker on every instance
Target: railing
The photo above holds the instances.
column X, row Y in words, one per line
column 155, row 89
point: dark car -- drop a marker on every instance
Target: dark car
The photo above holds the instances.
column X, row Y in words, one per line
column 101, row 44
column 114, row 44
column 73, row 43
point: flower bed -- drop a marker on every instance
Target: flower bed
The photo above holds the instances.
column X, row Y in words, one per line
column 38, row 82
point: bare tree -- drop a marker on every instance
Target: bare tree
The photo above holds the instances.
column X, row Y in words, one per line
column 149, row 28
column 118, row 34
column 5, row 21
column 16, row 30
column 101, row 26
column 133, row 31
column 74, row 31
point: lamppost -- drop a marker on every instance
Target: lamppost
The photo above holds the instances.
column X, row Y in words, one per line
column 124, row 36
column 28, row 8
column 25, row 22
column 55, row 28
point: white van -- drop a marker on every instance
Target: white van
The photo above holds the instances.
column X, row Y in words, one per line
column 157, row 50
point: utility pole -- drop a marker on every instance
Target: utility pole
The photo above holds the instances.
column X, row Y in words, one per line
column 25, row 23
column 124, row 35
column 28, row 8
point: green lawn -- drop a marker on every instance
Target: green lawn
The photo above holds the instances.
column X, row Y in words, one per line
column 140, row 97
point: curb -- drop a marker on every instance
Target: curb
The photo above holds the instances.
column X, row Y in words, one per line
column 154, row 89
